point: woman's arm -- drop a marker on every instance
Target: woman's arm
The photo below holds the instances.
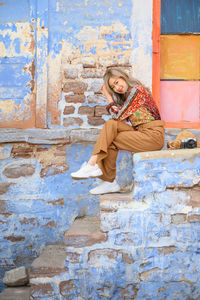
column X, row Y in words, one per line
column 117, row 112
column 106, row 94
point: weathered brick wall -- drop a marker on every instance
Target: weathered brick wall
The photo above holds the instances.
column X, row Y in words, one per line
column 85, row 38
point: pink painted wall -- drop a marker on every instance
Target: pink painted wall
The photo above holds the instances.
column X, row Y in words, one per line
column 180, row 101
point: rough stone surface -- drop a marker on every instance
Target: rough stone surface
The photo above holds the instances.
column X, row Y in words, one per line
column 86, row 110
column 20, row 293
column 4, row 188
column 50, row 263
column 96, row 121
column 84, row 232
column 16, row 277
column 75, row 98
column 72, row 121
column 77, row 87
column 19, row 171
column 69, row 110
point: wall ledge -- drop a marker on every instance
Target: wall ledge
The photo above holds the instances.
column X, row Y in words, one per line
column 179, row 153
column 64, row 135
column 48, row 136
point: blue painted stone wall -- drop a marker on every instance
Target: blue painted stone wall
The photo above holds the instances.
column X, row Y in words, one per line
column 17, row 59
column 39, row 200
column 153, row 238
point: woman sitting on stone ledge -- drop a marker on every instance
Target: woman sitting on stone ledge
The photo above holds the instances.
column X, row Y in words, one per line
column 135, row 126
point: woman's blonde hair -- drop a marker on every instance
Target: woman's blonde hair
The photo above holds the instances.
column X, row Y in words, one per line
column 117, row 72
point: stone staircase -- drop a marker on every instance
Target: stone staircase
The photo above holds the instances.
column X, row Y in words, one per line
column 143, row 245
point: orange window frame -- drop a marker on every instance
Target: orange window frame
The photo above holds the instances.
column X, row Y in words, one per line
column 156, row 66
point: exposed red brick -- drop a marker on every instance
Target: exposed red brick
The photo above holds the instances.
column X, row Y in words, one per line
column 41, row 149
column 86, row 110
column 53, row 170
column 23, row 151
column 19, row 171
column 100, row 110
column 4, row 188
column 14, row 239
column 75, row 98
column 69, row 110
column 72, row 121
column 194, row 218
column 96, row 121
column 77, row 87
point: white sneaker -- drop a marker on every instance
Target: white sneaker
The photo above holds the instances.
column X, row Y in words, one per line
column 87, row 171
column 106, row 187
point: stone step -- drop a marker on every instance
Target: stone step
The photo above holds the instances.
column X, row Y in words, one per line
column 50, row 263
column 15, row 293
column 113, row 202
column 85, row 231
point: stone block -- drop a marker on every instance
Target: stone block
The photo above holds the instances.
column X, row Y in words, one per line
column 41, row 291
column 69, row 110
column 77, row 87
column 23, row 170
column 69, row 289
column 178, row 218
column 18, row 293
column 97, row 99
column 86, row 110
column 71, row 73
column 72, row 121
column 50, row 263
column 16, row 277
column 115, row 201
column 194, row 218
column 96, row 121
column 84, row 232
column 4, row 188
column 75, row 98
column 99, row 257
column 92, row 73
column 100, row 111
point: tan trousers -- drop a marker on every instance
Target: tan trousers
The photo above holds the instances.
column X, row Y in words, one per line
column 116, row 135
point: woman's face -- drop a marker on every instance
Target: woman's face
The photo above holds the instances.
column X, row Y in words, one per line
column 118, row 85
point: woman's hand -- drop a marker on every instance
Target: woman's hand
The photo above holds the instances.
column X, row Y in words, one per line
column 105, row 92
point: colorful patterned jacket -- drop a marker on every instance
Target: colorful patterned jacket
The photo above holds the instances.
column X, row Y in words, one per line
column 138, row 108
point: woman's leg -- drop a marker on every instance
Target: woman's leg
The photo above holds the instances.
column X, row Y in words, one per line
column 116, row 136
column 105, row 152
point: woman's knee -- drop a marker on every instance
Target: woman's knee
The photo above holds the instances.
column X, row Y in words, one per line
column 111, row 122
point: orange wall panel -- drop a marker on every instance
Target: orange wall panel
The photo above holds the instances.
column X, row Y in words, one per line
column 180, row 101
column 180, row 57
